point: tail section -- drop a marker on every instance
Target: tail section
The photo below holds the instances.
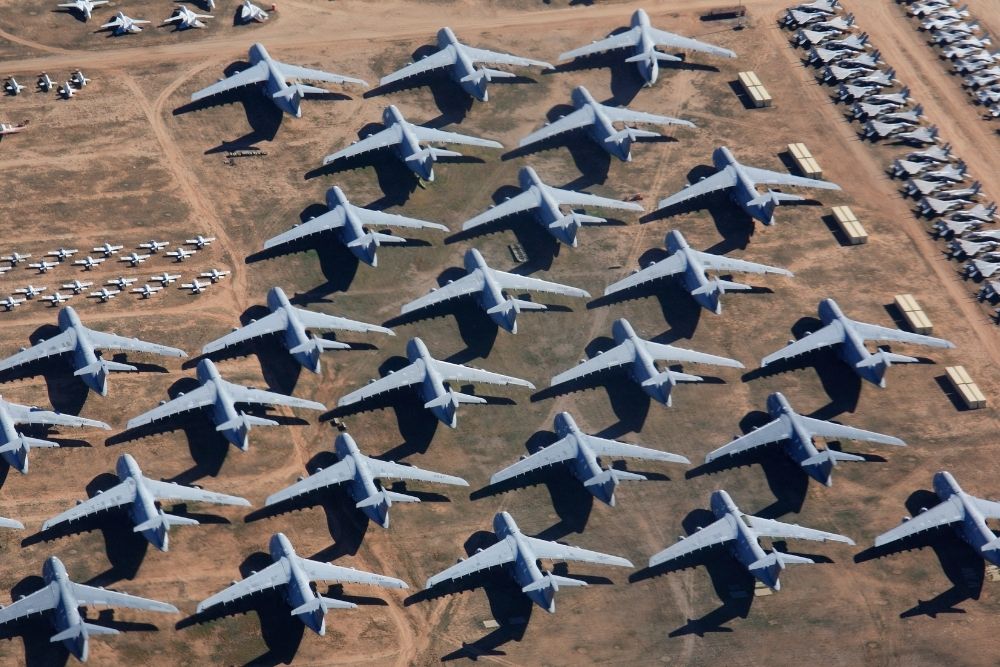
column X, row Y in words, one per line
column 820, row 466
column 316, row 345
column 320, row 603
column 659, row 386
column 873, row 367
column 603, row 484
column 163, row 521
column 553, row 582
column 387, row 498
column 244, row 422
column 773, row 198
column 649, row 57
column 454, row 399
column 365, row 246
column 629, row 135
column 486, row 74
column 768, row 568
column 431, row 153
column 103, row 367
column 16, row 451
column 81, row 630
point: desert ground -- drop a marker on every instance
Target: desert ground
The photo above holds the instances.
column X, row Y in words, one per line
column 129, row 158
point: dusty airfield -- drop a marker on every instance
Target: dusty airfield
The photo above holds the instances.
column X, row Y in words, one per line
column 126, row 160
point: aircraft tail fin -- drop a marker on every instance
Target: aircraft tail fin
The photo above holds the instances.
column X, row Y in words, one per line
column 887, row 358
column 552, row 581
column 244, row 421
column 830, row 456
column 670, row 377
column 650, row 56
column 82, row 629
column 25, row 443
column 163, row 520
column 488, row 74
column 720, row 286
column 317, row 344
column 773, row 197
column 629, row 134
column 432, row 153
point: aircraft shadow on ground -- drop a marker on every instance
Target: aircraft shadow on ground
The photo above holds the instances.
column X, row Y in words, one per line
column 282, row 633
column 964, row 568
column 263, row 117
column 733, row 585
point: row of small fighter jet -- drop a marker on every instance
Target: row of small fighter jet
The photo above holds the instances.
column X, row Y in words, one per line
column 45, row 84
column 965, row 49
column 106, row 251
column 182, row 17
column 112, row 288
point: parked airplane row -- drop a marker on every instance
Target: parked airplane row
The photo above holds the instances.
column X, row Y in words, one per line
column 66, row 90
column 182, row 17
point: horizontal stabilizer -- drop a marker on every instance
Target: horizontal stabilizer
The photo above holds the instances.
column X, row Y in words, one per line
column 165, row 520
column 670, row 377
column 650, row 56
column 387, row 497
column 82, row 628
column 319, row 345
column 322, row 603
column 26, row 443
column 613, row 475
column 488, row 74
column 992, row 545
column 720, row 286
column 517, row 305
column 244, row 421
column 773, row 197
column 887, row 358
column 831, row 456
column 454, row 398
column 97, row 366
column 629, row 134
column 376, row 238
column 779, row 559
column 432, row 153
column 553, row 581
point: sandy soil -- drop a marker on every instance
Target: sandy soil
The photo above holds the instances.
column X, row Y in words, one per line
column 128, row 159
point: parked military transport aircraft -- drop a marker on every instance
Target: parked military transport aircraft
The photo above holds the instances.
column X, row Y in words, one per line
column 487, row 286
column 642, row 38
column 359, row 472
column 519, row 555
column 293, row 574
column 742, row 533
column 274, row 76
column 14, row 446
column 292, row 323
column 82, row 342
column 461, row 62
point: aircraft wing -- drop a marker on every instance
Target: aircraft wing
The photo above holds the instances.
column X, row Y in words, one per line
column 304, row 73
column 171, row 491
column 716, row 533
column 59, row 344
column 429, row 134
column 39, row 601
column 497, row 58
column 620, row 41
column 314, row 320
column 571, row 121
column 670, row 353
column 496, row 555
column 771, row 528
column 412, row 374
column 669, row 39
column 621, row 355
column 940, row 515
column 525, row 201
column 605, row 447
column 372, row 217
column 573, row 198
column 107, row 341
column 768, row 177
column 242, row 394
column 629, row 116
column 717, row 181
column 332, row 219
column 272, row 576
column 390, row 136
column 398, row 471
column 338, row 473
column 831, row 334
column 671, row 266
column 316, row 570
column 117, row 496
column 825, row 429
column 256, row 74
column 556, row 551
column 458, row 372
column 875, row 332
column 89, row 595
column 269, row 324
column 192, row 400
column 516, row 282
column 775, row 431
column 443, row 58
column 563, row 450
column 721, row 263
column 467, row 284
column 25, row 415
